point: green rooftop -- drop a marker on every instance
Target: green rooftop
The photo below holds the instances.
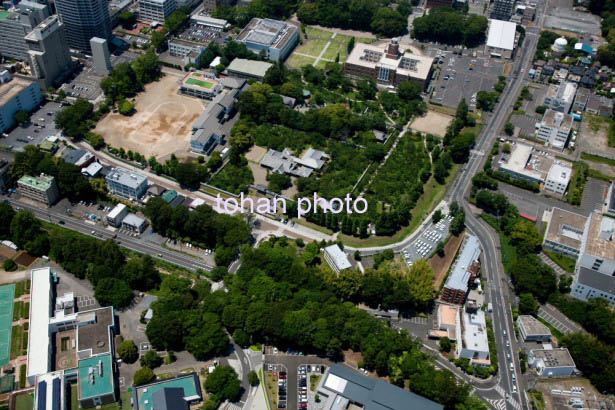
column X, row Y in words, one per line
column 143, row 394
column 48, row 146
column 4, row 15
column 99, row 383
column 42, row 182
column 169, row 196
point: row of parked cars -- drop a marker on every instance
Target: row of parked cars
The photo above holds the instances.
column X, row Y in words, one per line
column 302, row 387
column 282, row 390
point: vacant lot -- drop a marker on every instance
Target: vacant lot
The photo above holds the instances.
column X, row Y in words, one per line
column 162, row 124
column 432, row 123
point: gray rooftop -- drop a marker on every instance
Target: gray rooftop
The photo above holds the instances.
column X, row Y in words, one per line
column 126, row 177
column 373, row 394
column 596, row 280
column 72, row 155
column 249, row 67
column 285, row 163
column 532, row 326
column 133, row 220
column 339, row 257
column 458, row 279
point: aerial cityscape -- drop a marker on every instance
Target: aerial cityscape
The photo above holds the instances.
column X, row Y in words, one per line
column 307, row 205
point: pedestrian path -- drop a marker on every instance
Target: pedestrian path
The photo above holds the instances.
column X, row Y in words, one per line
column 322, row 52
column 514, row 403
column 500, row 390
column 558, row 270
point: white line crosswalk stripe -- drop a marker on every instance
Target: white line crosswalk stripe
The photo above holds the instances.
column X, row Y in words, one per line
column 514, row 403
column 233, row 406
column 497, row 404
column 500, row 390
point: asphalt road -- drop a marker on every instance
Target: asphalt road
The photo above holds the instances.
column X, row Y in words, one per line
column 128, row 242
column 498, row 288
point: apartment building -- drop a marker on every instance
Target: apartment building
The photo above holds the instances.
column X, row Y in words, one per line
column 84, row 19
column 156, row 10
column 16, row 94
column 41, row 189
column 560, row 97
column 595, row 271
column 555, row 128
column 15, row 24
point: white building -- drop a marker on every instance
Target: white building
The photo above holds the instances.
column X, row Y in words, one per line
column 558, row 178
column 474, row 344
column 595, row 270
column 532, row 329
column 127, row 184
column 517, row 162
column 156, row 10
column 116, row 215
column 502, row 39
column 560, row 97
column 134, row 223
column 555, row 128
column 551, row 362
column 336, row 258
column 16, row 94
column 564, row 232
column 275, row 38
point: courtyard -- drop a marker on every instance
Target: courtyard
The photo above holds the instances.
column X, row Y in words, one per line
column 161, row 125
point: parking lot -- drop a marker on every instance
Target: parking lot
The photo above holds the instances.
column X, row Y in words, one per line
column 296, row 379
column 202, row 34
column 41, row 126
column 462, row 77
column 425, row 244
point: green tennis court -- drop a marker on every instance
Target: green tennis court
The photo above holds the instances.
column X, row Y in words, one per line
column 7, row 293
column 200, row 83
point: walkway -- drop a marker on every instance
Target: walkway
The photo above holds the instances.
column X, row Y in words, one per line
column 558, row 270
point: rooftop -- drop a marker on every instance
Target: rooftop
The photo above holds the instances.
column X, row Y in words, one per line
column 199, row 80
column 557, row 119
column 10, row 89
column 566, row 228
column 519, row 162
column 458, row 279
column 502, row 34
column 532, row 326
column 599, row 241
column 116, row 211
column 72, row 155
column 133, row 220
column 126, row 177
column 448, row 315
column 95, row 335
column 339, row 257
column 554, row 357
column 266, row 32
column 143, row 395
column 95, row 376
column 249, row 67
column 596, row 280
column 564, row 91
column 474, row 329
column 284, row 163
column 347, row 385
column 42, row 183
column 40, row 312
column 372, row 56
column 560, row 173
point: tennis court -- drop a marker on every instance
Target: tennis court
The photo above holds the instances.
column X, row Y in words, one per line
column 200, row 83
column 7, row 294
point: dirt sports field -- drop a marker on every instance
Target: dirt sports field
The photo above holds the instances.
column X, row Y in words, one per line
column 162, row 124
column 432, row 123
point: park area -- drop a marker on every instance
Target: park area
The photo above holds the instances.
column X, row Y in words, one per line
column 433, row 122
column 162, row 123
column 322, row 46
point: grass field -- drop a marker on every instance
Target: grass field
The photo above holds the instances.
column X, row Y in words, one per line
column 16, row 342
column 297, row 61
column 312, row 47
column 316, row 32
column 200, row 83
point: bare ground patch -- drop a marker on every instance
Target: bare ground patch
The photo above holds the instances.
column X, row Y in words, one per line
column 162, row 123
column 260, row 173
column 441, row 265
column 256, row 153
column 432, row 123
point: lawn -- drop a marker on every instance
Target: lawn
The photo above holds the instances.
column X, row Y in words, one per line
column 314, row 380
column 312, row 47
column 564, row 262
column 200, row 83
column 316, row 32
column 17, row 310
column 16, row 341
column 597, row 158
column 24, row 402
column 334, row 49
column 297, row 61
column 271, row 384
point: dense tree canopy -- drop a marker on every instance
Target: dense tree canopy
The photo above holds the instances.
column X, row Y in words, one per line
column 449, row 26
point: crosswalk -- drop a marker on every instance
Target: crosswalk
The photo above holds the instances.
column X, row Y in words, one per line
column 500, row 390
column 233, row 406
column 514, row 403
column 417, row 320
column 497, row 404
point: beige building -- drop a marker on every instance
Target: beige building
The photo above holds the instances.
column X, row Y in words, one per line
column 388, row 65
column 564, row 232
column 42, row 189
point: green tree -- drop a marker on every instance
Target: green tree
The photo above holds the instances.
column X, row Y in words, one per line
column 437, row 216
column 440, row 249
column 253, row 378
column 143, row 376
column 350, row 45
column 151, row 359
column 509, row 128
column 9, row 265
column 128, row 351
column 445, row 344
column 208, row 339
column 389, row 22
column 73, row 120
column 113, row 292
column 223, row 384
column 24, row 228
column 127, row 19
column 7, row 213
column 528, row 304
column 409, row 91
column 126, row 108
column 21, row 117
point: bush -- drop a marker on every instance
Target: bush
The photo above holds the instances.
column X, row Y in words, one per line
column 151, row 359
column 128, row 352
column 143, row 376
column 126, row 108
column 223, row 384
column 253, row 378
column 9, row 265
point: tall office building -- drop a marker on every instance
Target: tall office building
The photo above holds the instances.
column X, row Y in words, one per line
column 84, row 19
column 502, row 9
column 15, row 24
column 100, row 55
column 48, row 51
column 156, row 10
